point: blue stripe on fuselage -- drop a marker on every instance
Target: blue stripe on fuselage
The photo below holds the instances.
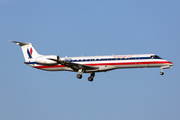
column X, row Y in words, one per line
column 32, row 63
column 105, row 59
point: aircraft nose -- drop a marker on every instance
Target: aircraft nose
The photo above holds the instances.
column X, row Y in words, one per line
column 171, row 63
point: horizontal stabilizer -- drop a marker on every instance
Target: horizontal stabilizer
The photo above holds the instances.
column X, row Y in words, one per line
column 20, row 43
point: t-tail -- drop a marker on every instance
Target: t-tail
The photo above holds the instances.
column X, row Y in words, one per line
column 28, row 51
column 31, row 56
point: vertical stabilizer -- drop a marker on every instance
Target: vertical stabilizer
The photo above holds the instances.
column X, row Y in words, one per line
column 28, row 50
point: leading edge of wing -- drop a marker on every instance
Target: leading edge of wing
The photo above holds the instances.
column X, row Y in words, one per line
column 75, row 65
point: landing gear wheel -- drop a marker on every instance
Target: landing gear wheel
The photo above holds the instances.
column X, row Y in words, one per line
column 90, row 79
column 79, row 76
column 161, row 73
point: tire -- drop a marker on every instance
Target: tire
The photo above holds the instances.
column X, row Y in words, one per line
column 161, row 73
column 90, row 79
column 79, row 76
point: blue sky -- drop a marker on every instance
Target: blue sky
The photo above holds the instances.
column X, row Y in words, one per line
column 76, row 28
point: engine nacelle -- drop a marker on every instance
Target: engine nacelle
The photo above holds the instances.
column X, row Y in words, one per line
column 45, row 59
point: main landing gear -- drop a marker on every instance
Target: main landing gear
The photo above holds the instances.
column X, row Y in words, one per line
column 91, row 77
column 80, row 72
column 79, row 76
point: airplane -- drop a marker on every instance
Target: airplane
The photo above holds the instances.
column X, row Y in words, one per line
column 90, row 64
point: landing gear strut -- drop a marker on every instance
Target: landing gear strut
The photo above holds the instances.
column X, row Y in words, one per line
column 80, row 72
column 161, row 73
column 91, row 77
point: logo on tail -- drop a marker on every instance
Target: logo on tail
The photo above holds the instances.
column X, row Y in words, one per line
column 29, row 52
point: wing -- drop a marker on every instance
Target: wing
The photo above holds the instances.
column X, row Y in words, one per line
column 75, row 66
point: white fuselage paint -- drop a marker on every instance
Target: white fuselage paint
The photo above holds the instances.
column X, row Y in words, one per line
column 109, row 63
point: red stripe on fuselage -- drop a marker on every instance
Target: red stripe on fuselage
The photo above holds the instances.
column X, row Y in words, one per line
column 120, row 63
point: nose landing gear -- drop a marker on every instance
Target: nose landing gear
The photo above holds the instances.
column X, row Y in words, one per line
column 161, row 73
column 164, row 67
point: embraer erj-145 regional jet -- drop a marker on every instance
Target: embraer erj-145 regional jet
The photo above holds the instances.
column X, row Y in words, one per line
column 90, row 64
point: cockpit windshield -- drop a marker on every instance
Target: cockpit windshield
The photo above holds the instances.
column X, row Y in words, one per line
column 155, row 57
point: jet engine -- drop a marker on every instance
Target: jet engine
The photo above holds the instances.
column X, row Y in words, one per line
column 45, row 60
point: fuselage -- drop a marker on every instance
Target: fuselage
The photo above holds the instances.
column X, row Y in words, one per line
column 106, row 63
column 90, row 64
